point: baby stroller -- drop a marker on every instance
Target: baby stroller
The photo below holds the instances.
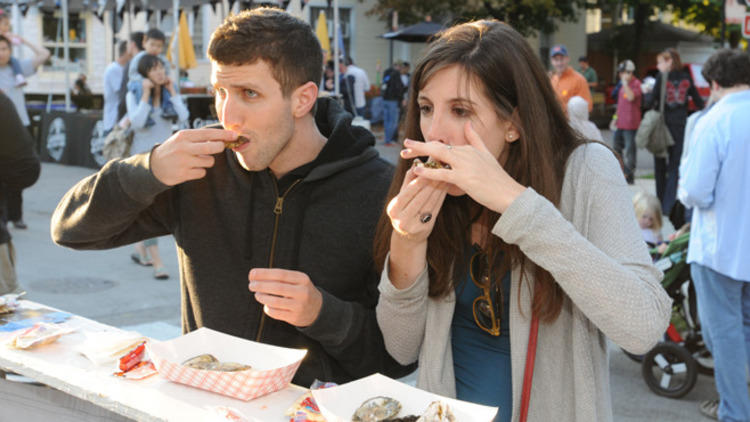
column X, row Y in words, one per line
column 671, row 368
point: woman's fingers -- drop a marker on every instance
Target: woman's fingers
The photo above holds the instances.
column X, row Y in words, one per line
column 473, row 138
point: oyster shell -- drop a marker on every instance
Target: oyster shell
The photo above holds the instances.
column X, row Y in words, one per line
column 229, row 367
column 201, row 362
column 377, row 409
column 434, row 164
column 437, row 411
column 234, row 144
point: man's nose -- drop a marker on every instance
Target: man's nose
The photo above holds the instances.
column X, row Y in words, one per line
column 231, row 116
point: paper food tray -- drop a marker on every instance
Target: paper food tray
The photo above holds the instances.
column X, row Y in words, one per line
column 338, row 404
column 272, row 367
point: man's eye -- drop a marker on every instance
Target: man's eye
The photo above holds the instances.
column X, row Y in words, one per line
column 250, row 93
column 221, row 92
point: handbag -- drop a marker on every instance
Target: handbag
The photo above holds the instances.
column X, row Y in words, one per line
column 118, row 142
column 653, row 133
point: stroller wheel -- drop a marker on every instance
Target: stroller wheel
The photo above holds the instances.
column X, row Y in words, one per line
column 669, row 370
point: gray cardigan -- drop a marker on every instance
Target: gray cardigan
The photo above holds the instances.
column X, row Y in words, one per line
column 593, row 248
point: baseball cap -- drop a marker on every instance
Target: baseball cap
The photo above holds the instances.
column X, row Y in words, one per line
column 558, row 49
column 626, row 66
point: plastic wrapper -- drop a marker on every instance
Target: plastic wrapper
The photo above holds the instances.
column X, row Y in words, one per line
column 37, row 335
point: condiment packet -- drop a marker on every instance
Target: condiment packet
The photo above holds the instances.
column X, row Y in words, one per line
column 39, row 334
column 141, row 370
column 304, row 409
column 105, row 347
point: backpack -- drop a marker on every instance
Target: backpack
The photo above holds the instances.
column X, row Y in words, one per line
column 392, row 88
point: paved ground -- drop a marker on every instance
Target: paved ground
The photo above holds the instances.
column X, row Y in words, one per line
column 108, row 287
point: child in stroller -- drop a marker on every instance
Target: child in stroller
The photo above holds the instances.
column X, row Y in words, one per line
column 671, row 368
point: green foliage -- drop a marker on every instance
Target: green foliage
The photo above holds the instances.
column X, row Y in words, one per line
column 526, row 16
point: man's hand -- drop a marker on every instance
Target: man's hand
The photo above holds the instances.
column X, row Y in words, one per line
column 187, row 154
column 286, row 295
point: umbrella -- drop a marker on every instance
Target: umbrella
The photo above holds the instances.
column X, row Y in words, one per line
column 420, row 32
column 185, row 49
column 321, row 30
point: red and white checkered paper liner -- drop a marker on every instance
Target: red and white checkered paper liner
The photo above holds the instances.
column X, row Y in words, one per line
column 243, row 385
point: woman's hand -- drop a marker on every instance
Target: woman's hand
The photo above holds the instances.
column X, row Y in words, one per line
column 170, row 87
column 413, row 213
column 414, row 210
column 147, row 86
column 474, row 170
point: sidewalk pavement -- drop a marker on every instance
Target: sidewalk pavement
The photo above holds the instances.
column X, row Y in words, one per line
column 108, row 287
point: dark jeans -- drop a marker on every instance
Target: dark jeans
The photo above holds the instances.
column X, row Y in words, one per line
column 625, row 139
column 666, row 169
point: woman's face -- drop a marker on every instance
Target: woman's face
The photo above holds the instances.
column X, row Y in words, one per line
column 158, row 75
column 664, row 65
column 447, row 102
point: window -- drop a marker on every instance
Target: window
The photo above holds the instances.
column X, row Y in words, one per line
column 52, row 39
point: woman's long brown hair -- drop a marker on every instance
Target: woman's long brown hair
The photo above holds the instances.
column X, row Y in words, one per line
column 495, row 55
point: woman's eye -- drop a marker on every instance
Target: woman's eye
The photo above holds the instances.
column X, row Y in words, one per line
column 460, row 112
column 425, row 109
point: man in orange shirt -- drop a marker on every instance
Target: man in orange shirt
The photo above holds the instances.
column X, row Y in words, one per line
column 567, row 82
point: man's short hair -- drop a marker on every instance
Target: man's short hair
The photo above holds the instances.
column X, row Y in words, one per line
column 122, row 48
column 583, row 59
column 286, row 43
column 728, row 68
column 137, row 38
column 349, row 61
column 155, row 34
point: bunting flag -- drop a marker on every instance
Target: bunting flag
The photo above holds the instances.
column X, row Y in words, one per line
column 321, row 30
column 294, row 8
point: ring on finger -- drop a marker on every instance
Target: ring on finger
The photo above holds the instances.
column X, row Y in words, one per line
column 425, row 217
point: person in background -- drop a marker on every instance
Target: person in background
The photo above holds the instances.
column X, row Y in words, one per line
column 578, row 117
column 19, row 169
column 588, row 73
column 135, row 46
column 274, row 236
column 628, row 117
column 361, row 86
column 80, row 86
column 6, row 31
column 648, row 212
column 516, row 232
column 149, row 129
column 392, row 90
column 112, row 82
column 679, row 86
column 567, row 82
column 9, row 86
column 153, row 45
column 714, row 182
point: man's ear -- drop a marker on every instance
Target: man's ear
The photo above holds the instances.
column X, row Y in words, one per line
column 303, row 99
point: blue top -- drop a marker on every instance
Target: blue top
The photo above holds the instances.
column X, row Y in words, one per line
column 481, row 362
column 715, row 182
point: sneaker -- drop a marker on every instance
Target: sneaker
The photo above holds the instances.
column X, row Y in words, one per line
column 19, row 224
column 140, row 260
column 160, row 273
column 710, row 409
column 20, row 80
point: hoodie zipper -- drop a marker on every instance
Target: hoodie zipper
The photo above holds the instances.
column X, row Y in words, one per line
column 278, row 208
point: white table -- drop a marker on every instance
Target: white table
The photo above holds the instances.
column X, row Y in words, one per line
column 154, row 399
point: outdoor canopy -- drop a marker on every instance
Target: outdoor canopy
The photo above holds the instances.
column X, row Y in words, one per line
column 421, row 32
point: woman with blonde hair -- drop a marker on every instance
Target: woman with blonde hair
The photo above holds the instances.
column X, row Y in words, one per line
column 513, row 254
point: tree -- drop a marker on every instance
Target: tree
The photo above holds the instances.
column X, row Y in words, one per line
column 526, row 16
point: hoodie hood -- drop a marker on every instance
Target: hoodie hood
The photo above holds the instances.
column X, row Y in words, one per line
column 578, row 109
column 347, row 145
